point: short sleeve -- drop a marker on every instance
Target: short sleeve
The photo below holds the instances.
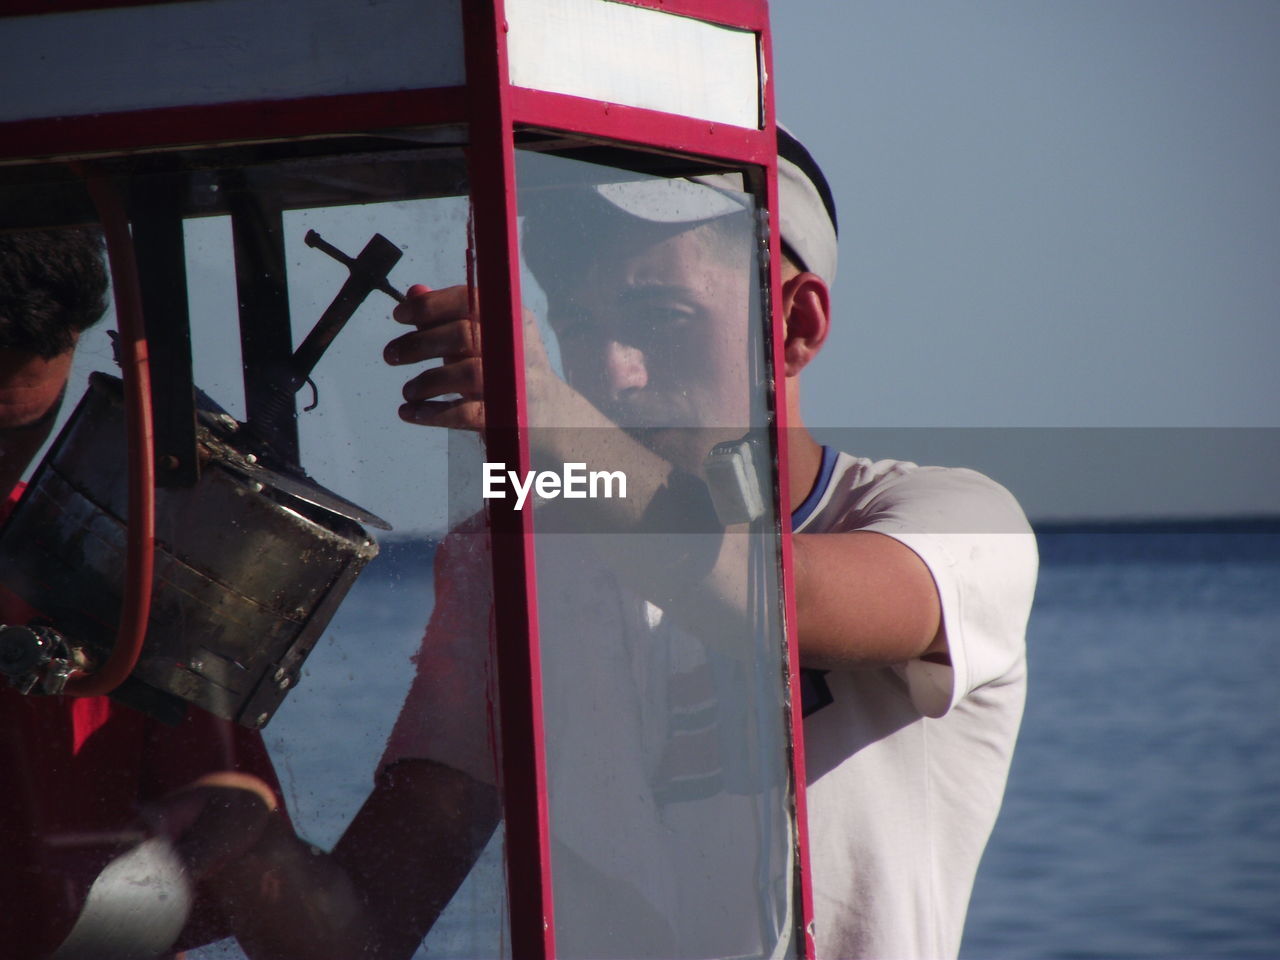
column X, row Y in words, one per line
column 980, row 550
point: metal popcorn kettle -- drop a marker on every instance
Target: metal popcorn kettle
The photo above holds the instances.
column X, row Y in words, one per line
column 250, row 564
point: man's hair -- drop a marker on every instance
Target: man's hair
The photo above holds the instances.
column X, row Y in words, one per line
column 53, row 285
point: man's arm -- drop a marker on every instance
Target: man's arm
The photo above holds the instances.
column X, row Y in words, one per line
column 417, row 836
column 279, row 895
column 865, row 599
column 411, row 846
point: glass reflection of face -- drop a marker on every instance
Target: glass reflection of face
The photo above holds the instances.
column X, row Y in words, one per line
column 653, row 329
column 31, row 389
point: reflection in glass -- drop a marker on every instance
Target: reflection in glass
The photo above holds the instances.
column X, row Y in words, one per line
column 327, row 749
column 660, row 625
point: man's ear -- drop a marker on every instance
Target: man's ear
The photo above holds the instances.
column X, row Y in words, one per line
column 806, row 307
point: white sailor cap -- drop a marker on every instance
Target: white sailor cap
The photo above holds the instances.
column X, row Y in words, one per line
column 807, row 208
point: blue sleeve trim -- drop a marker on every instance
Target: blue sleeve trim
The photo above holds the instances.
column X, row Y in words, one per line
column 814, row 692
column 801, row 513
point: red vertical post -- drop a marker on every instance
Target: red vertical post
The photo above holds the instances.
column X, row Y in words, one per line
column 776, row 341
column 493, row 200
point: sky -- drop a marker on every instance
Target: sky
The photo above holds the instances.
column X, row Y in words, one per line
column 1060, row 249
column 1053, row 215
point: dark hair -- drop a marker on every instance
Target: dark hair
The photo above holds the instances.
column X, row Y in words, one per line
column 53, row 285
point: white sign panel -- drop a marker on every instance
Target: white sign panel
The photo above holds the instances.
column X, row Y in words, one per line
column 635, row 56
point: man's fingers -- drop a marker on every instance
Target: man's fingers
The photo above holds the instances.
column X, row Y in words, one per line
column 447, row 330
column 425, row 308
column 464, row 376
column 210, row 824
column 457, row 338
column 459, row 414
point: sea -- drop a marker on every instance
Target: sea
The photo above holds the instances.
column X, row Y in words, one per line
column 1142, row 817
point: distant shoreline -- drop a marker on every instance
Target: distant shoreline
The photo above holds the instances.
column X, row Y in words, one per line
column 1225, row 525
column 1254, row 540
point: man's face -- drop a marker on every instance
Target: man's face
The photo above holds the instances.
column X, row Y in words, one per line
column 656, row 333
column 30, row 388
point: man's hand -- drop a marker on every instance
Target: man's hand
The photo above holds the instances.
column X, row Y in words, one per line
column 447, row 328
column 284, row 898
column 213, row 821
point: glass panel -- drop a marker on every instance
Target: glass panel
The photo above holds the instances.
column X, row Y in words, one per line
column 225, row 51
column 659, row 615
column 287, row 636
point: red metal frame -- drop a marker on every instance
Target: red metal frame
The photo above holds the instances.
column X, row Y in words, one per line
column 524, row 785
column 640, row 127
column 230, row 122
column 777, row 340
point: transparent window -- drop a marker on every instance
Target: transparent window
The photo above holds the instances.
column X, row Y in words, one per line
column 294, row 582
column 322, row 619
column 657, row 564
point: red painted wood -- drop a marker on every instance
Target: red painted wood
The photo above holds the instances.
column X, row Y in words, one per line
column 493, row 199
column 804, row 886
column 227, row 122
column 640, row 127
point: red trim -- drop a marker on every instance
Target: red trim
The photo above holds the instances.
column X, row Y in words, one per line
column 776, row 336
column 226, row 122
column 645, row 128
column 747, row 14
column 135, row 607
column 493, row 199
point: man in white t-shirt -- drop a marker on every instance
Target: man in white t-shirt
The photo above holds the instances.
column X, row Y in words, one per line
column 913, row 584
column 906, row 761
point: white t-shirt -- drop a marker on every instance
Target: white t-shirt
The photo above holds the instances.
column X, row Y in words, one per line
column 900, row 805
column 906, row 766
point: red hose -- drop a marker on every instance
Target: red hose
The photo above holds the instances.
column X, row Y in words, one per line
column 140, row 560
